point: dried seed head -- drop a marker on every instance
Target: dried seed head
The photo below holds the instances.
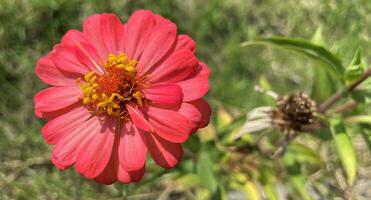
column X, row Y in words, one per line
column 294, row 112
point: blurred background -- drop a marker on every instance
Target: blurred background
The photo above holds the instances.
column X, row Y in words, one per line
column 29, row 28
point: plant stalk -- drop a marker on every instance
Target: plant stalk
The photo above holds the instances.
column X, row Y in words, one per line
column 338, row 95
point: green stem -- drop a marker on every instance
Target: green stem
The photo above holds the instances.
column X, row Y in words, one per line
column 340, row 94
column 125, row 193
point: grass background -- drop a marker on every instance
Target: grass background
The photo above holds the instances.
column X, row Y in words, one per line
column 30, row 28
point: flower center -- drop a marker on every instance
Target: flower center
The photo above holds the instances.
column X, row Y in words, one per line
column 109, row 92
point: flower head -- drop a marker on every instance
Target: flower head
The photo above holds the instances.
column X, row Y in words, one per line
column 120, row 91
column 294, row 112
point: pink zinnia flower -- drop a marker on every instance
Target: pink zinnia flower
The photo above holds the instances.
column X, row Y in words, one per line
column 119, row 91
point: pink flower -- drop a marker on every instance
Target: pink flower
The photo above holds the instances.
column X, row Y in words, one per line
column 119, row 91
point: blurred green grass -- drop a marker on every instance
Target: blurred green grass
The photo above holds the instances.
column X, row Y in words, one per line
column 28, row 30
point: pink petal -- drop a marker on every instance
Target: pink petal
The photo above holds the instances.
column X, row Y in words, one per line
column 185, row 42
column 72, row 37
column 179, row 66
column 205, row 111
column 92, row 31
column 196, row 87
column 132, row 148
column 191, row 113
column 66, row 150
column 59, row 126
column 48, row 72
column 75, row 42
column 138, row 119
column 160, row 41
column 139, row 25
column 159, row 19
column 113, row 33
column 55, row 98
column 130, row 177
column 64, row 58
column 169, row 124
column 164, row 93
column 88, row 56
column 164, row 153
column 110, row 173
column 96, row 150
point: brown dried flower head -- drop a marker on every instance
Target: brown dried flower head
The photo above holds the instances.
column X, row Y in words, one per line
column 294, row 112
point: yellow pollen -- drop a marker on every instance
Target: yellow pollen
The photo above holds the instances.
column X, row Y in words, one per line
column 139, row 96
column 109, row 92
column 121, row 61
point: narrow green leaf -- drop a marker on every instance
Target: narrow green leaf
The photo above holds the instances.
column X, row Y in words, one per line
column 344, row 149
column 298, row 182
column 355, row 68
column 188, row 180
column 318, row 38
column 361, row 95
column 270, row 192
column 304, row 154
column 268, row 179
column 366, row 133
column 264, row 83
column 352, row 73
column 309, row 49
column 295, row 175
column 205, row 172
column 251, row 191
column 323, row 84
column 359, row 119
column 224, row 118
column 357, row 58
column 221, row 194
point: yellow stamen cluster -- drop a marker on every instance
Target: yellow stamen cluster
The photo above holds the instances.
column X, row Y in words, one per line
column 109, row 92
column 89, row 89
column 138, row 96
column 121, row 61
column 109, row 104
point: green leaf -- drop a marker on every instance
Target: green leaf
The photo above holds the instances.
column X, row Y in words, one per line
column 355, row 69
column 203, row 193
column 224, row 118
column 264, row 83
column 357, row 58
column 270, row 192
column 352, row 73
column 205, row 171
column 295, row 175
column 267, row 178
column 251, row 191
column 324, row 134
column 363, row 92
column 304, row 154
column 323, row 84
column 311, row 50
column 298, row 182
column 344, row 149
column 220, row 194
column 318, row 37
column 207, row 134
column 361, row 95
column 366, row 133
column 359, row 119
column 188, row 181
